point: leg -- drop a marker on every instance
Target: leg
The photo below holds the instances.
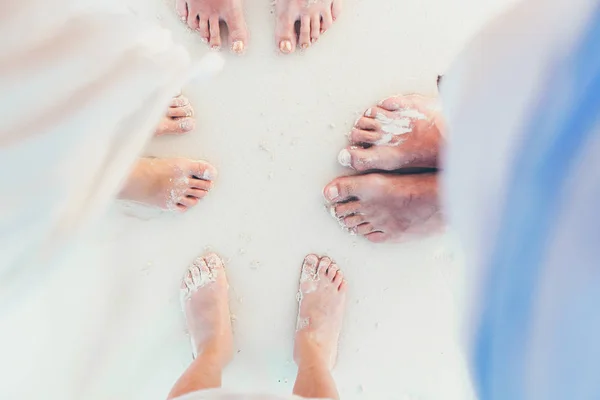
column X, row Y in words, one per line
column 322, row 297
column 206, row 306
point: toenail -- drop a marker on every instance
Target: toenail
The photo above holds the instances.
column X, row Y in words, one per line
column 215, row 47
column 332, row 193
column 314, row 40
column 304, row 46
column 183, row 19
column 345, row 158
column 369, row 112
column 311, row 260
column 285, row 46
column 205, row 40
column 238, row 47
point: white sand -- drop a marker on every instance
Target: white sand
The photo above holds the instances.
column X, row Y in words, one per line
column 273, row 126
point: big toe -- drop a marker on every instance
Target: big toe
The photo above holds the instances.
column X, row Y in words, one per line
column 238, row 32
column 286, row 34
column 203, row 171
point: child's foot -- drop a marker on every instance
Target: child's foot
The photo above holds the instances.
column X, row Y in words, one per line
column 205, row 303
column 179, row 118
column 204, row 17
column 322, row 297
column 315, row 16
column 169, row 183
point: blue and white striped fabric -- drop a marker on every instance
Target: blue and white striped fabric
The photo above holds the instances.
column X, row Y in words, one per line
column 523, row 186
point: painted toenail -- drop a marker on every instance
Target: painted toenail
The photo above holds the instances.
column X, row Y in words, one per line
column 238, row 47
column 332, row 193
column 304, row 46
column 345, row 158
column 285, row 46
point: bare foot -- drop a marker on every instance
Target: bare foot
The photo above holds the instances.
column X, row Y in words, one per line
column 400, row 132
column 169, row 183
column 204, row 17
column 205, row 303
column 322, row 298
column 386, row 207
column 179, row 118
column 315, row 16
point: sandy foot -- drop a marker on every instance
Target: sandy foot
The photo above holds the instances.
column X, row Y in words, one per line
column 322, row 297
column 204, row 16
column 206, row 306
column 169, row 183
column 315, row 16
column 179, row 118
column 386, row 207
column 400, row 132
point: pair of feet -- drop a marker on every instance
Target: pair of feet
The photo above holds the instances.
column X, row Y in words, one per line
column 315, row 17
column 321, row 296
column 388, row 201
column 174, row 184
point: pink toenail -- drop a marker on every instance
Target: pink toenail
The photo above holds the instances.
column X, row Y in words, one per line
column 332, row 193
column 345, row 158
column 285, row 46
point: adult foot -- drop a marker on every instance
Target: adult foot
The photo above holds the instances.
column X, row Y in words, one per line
column 204, row 17
column 179, row 118
column 205, row 303
column 315, row 17
column 169, row 183
column 401, row 132
column 322, row 297
column 386, row 207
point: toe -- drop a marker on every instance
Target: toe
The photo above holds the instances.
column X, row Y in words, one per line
column 338, row 279
column 196, row 275
column 196, row 193
column 324, row 264
column 365, row 229
column 182, row 9
column 332, row 270
column 309, row 266
column 343, row 286
column 215, row 32
column 202, row 264
column 377, row 237
column 375, row 157
column 204, row 171
column 192, row 20
column 170, row 126
column 178, row 112
column 214, row 261
column 181, row 208
column 238, row 32
column 188, row 201
column 361, row 136
column 341, row 189
column 286, row 36
column 354, row 220
column 200, row 184
column 179, row 101
column 342, row 210
column 368, row 124
column 327, row 21
column 336, row 9
column 315, row 28
column 394, row 103
column 188, row 280
column 203, row 29
column 304, row 37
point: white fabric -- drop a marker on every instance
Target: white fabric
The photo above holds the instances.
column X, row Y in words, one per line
column 223, row 394
column 81, row 94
